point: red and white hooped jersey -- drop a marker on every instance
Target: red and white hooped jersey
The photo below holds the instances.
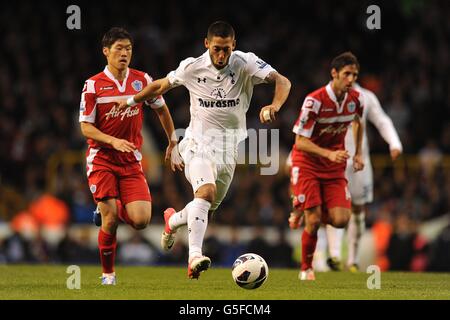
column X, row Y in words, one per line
column 98, row 107
column 324, row 121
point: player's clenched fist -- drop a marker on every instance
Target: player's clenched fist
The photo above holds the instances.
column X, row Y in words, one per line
column 338, row 156
column 295, row 220
column 358, row 163
column 267, row 114
column 123, row 145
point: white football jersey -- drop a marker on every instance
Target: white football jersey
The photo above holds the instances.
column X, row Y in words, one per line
column 375, row 114
column 219, row 99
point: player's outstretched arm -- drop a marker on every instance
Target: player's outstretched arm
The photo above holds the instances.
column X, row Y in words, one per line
column 152, row 90
column 282, row 88
column 306, row 145
column 91, row 132
column 384, row 125
column 358, row 129
column 172, row 153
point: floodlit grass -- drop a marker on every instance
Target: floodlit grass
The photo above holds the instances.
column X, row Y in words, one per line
column 171, row 283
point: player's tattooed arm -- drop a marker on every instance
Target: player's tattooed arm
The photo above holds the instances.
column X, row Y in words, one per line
column 271, row 77
column 282, row 88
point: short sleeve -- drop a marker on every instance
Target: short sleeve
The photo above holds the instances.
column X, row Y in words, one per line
column 178, row 77
column 307, row 119
column 157, row 102
column 88, row 102
column 257, row 68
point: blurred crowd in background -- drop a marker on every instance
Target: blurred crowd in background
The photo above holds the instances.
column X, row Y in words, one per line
column 44, row 65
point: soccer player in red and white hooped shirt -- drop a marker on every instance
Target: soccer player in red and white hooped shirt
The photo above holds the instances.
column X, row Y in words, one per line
column 319, row 156
column 114, row 169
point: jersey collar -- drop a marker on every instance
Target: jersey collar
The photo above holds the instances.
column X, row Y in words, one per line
column 333, row 98
column 111, row 76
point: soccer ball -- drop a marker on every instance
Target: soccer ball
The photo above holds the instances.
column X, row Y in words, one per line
column 249, row 271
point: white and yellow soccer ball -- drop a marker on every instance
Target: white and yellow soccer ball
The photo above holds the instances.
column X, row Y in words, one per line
column 249, row 271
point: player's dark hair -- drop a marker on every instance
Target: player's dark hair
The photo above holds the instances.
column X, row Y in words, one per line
column 344, row 59
column 114, row 34
column 220, row 29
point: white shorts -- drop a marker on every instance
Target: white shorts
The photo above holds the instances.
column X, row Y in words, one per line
column 204, row 165
column 360, row 184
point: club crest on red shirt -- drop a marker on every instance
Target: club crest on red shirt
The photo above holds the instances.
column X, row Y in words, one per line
column 351, row 107
column 137, row 85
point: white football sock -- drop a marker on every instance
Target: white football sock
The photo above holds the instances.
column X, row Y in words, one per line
column 356, row 228
column 179, row 219
column 197, row 222
column 335, row 236
column 320, row 259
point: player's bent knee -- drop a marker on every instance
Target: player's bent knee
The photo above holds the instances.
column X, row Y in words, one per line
column 340, row 223
column 341, row 220
column 140, row 225
column 206, row 192
column 140, row 213
column 141, row 221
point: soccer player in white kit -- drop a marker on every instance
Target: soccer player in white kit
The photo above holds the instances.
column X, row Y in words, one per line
column 360, row 183
column 220, row 83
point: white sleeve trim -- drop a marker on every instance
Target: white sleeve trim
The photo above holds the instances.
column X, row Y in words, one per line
column 309, row 105
column 89, row 87
column 89, row 118
column 148, row 78
column 171, row 77
column 303, row 132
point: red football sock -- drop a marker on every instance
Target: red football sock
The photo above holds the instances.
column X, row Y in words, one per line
column 123, row 214
column 308, row 247
column 107, row 247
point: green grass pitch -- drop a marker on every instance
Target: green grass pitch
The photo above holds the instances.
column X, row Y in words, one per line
column 171, row 283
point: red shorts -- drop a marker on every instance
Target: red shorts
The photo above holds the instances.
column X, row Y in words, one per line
column 126, row 182
column 311, row 189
